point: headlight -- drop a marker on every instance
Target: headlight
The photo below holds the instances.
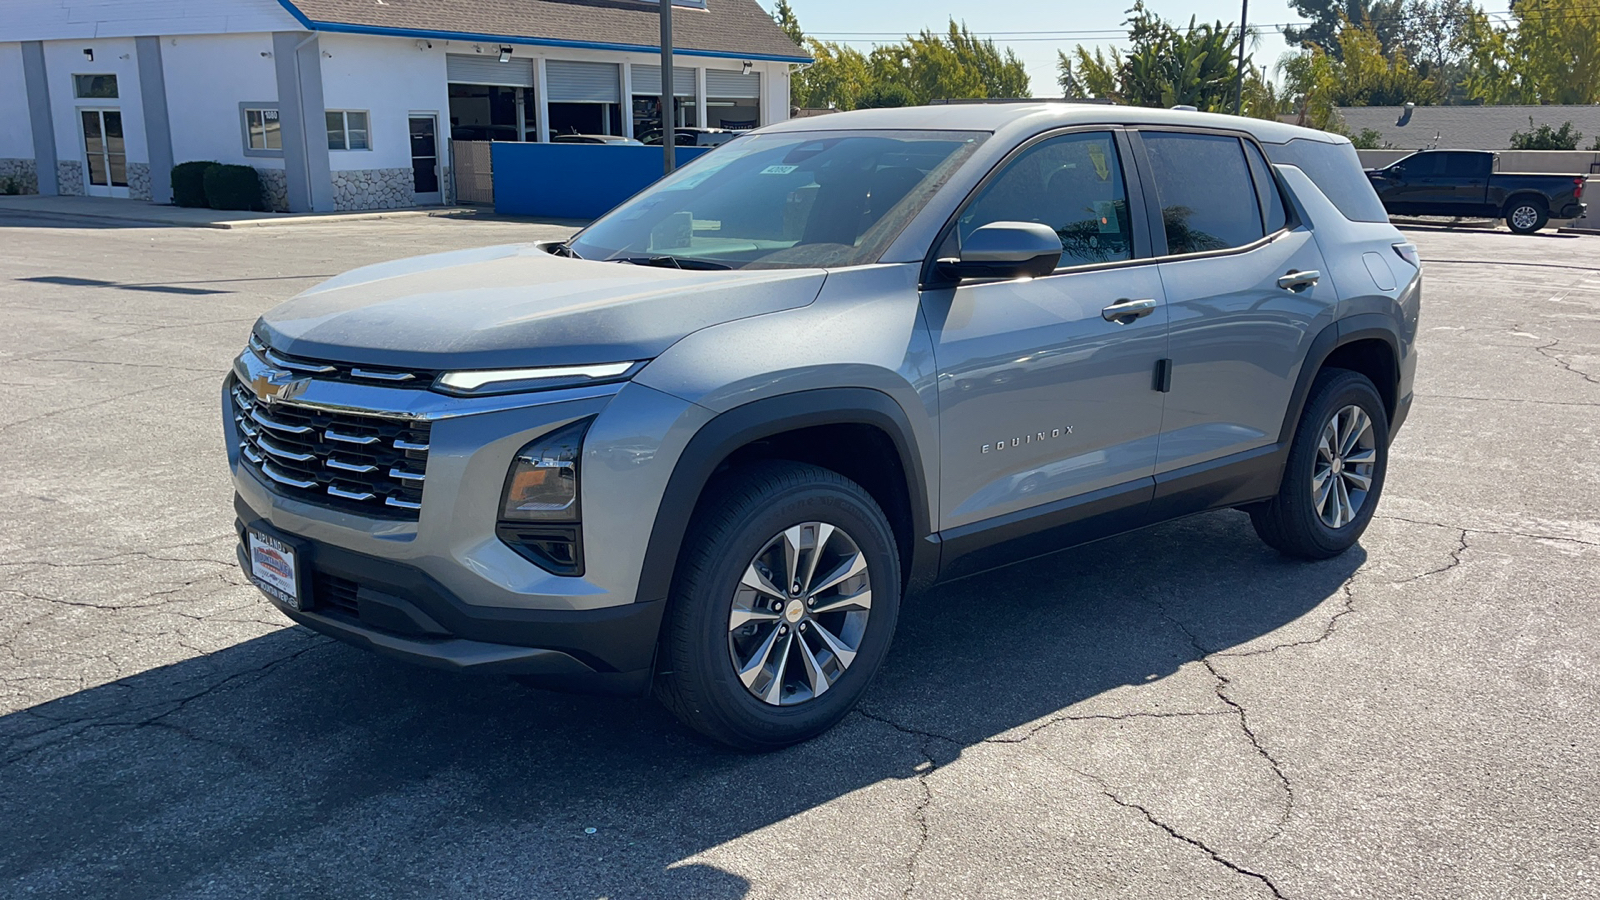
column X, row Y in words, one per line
column 539, row 509
column 542, row 485
column 506, row 381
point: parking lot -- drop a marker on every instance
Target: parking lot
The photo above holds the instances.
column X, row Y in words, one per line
column 1174, row 713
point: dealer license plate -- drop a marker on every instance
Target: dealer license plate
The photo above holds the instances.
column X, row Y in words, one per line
column 274, row 567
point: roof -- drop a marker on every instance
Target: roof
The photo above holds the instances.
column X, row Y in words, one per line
column 1464, row 127
column 725, row 28
column 1039, row 115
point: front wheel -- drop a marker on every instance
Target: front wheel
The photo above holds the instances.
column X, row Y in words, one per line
column 787, row 596
column 1526, row 216
column 1335, row 471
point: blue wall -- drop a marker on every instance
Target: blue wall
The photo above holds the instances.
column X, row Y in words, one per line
column 573, row 181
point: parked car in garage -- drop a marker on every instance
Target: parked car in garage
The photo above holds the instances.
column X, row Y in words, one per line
column 1466, row 183
column 695, row 137
column 593, row 139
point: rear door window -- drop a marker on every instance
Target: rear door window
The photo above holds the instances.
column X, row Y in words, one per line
column 1072, row 183
column 1465, row 165
column 1207, row 197
column 1273, row 214
column 1336, row 171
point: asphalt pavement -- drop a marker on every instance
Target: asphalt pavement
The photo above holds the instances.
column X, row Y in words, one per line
column 1176, row 713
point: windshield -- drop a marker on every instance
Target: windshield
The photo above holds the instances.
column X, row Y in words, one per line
column 785, row 200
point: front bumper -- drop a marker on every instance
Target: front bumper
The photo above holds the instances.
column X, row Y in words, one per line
column 402, row 612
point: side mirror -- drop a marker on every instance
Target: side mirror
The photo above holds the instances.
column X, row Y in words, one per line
column 1006, row 250
column 1396, row 170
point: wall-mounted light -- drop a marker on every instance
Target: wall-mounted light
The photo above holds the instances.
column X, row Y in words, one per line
column 89, row 54
column 424, row 45
column 748, row 65
column 505, row 54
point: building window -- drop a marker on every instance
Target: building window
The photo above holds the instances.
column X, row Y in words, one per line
column 347, row 130
column 95, row 87
column 262, row 131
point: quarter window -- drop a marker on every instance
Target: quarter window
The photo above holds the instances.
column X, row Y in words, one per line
column 347, row 130
column 1071, row 183
column 262, row 129
column 1208, row 200
column 95, row 87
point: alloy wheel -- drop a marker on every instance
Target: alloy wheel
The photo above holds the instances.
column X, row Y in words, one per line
column 799, row 614
column 1342, row 471
column 1525, row 217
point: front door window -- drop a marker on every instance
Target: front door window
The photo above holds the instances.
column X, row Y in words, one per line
column 105, row 152
column 425, row 154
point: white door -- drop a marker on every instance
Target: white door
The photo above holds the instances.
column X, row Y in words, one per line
column 105, row 152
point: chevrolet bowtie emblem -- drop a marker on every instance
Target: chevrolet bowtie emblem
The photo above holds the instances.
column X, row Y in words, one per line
column 278, row 384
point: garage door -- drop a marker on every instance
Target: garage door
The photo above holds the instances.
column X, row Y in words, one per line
column 732, row 85
column 583, row 82
column 488, row 70
column 647, row 80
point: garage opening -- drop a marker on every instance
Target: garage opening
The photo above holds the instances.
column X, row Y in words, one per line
column 585, row 97
column 491, row 100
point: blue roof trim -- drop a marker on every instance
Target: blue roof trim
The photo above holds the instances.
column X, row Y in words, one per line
column 343, row 28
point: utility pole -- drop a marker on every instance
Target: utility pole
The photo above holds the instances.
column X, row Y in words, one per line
column 1238, row 87
column 669, row 125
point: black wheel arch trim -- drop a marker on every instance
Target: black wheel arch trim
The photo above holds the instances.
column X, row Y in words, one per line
column 731, row 430
column 1348, row 330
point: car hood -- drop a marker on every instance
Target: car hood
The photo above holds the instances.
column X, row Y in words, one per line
column 518, row 306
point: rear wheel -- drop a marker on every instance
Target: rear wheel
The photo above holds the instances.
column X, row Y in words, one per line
column 1335, row 471
column 786, row 599
column 1526, row 216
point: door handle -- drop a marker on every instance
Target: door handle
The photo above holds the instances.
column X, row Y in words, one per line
column 1299, row 281
column 1124, row 311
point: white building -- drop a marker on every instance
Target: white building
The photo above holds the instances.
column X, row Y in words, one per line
column 351, row 104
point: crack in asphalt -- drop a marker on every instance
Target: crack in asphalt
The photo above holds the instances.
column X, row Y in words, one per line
column 1545, row 351
column 1504, row 400
column 1193, row 842
column 61, row 411
column 173, row 705
column 118, row 558
column 1223, row 682
column 1495, row 531
column 919, row 815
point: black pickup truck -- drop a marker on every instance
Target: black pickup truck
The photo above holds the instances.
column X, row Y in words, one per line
column 1466, row 183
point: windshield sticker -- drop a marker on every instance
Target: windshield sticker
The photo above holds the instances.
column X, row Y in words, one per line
column 778, row 170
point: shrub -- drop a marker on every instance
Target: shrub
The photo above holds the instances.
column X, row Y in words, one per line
column 1546, row 138
column 189, row 183
column 233, row 187
column 1369, row 139
column 886, row 96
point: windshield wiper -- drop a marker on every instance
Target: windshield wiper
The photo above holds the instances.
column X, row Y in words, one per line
column 672, row 262
column 565, row 250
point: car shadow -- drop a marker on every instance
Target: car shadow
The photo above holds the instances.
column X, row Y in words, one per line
column 291, row 765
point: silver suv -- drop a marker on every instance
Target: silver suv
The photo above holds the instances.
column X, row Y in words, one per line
column 707, row 445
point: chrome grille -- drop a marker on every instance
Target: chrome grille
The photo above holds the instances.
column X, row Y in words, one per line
column 420, row 379
column 369, row 464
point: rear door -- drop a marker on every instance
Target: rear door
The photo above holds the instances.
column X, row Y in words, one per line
column 1468, row 177
column 1041, row 397
column 1244, row 294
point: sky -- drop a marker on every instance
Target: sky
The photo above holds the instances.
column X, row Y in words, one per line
column 1035, row 29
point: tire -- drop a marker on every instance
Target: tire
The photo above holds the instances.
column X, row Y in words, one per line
column 731, row 537
column 1526, row 216
column 1295, row 522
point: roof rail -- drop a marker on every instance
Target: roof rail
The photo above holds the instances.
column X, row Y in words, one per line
column 972, row 101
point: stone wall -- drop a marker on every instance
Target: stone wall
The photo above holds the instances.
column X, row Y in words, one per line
column 139, row 181
column 373, row 189
column 274, row 189
column 69, row 178
column 19, row 174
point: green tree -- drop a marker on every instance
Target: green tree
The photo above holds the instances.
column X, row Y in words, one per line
column 1546, row 138
column 955, row 65
column 1168, row 66
column 835, row 79
column 884, row 96
column 1328, row 18
column 1360, row 74
column 1549, row 53
column 784, row 15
